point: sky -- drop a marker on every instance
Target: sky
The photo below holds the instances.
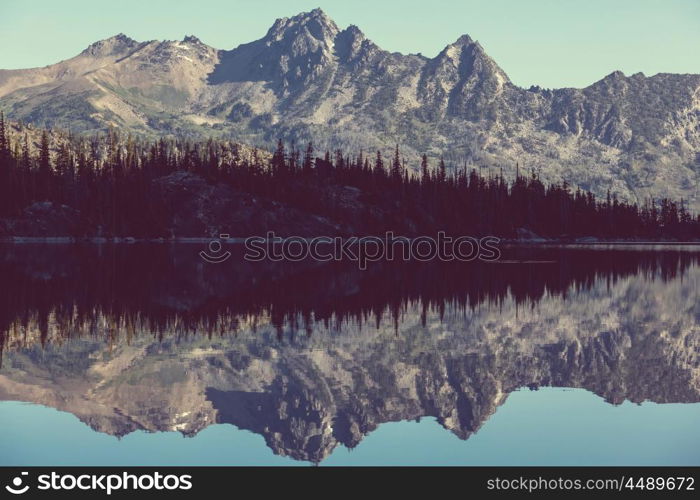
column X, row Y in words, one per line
column 551, row 43
column 586, row 430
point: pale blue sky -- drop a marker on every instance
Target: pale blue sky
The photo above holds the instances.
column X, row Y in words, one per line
column 552, row 43
column 586, row 430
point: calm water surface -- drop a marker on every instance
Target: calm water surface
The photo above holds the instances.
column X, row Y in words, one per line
column 144, row 354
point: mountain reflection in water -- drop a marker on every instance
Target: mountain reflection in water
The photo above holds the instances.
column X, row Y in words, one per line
column 312, row 355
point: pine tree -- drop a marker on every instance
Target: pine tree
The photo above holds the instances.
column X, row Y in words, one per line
column 442, row 176
column 278, row 158
column 5, row 189
column 44, row 181
column 379, row 163
column 396, row 165
column 425, row 173
column 26, row 159
column 309, row 158
column 4, row 146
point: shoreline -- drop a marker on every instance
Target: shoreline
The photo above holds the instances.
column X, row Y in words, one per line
column 70, row 240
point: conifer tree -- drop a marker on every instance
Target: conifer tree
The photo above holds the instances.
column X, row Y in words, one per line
column 442, row 176
column 379, row 164
column 396, row 165
column 278, row 159
column 309, row 158
column 425, row 173
column 4, row 146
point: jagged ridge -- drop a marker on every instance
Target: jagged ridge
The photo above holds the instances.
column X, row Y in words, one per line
column 309, row 79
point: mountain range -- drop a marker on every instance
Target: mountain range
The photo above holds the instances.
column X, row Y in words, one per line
column 307, row 79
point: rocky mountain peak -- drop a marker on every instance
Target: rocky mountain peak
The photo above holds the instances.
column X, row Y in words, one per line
column 614, row 82
column 352, row 34
column 293, row 52
column 462, row 80
column 307, row 28
column 116, row 45
column 470, row 58
column 351, row 45
column 464, row 40
column 192, row 39
column 615, row 75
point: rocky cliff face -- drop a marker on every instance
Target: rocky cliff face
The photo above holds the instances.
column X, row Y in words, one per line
column 308, row 79
column 636, row 338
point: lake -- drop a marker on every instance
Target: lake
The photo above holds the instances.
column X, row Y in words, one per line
column 147, row 355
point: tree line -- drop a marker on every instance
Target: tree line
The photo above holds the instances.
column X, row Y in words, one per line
column 110, row 180
column 120, row 291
